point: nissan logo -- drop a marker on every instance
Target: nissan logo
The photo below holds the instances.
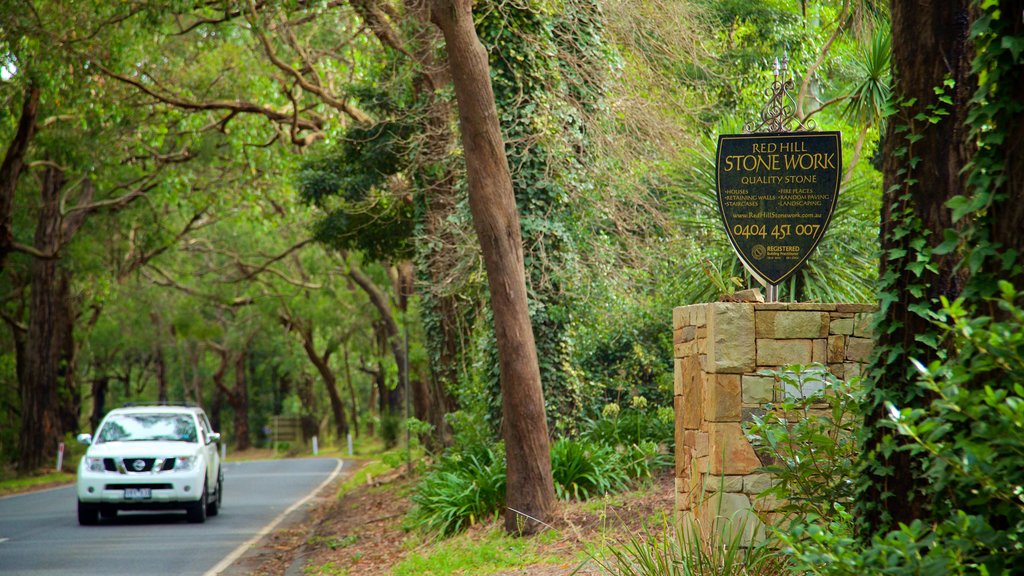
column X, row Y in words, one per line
column 138, row 465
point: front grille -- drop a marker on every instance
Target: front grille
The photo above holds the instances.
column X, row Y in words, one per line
column 151, row 485
column 138, row 464
column 110, row 465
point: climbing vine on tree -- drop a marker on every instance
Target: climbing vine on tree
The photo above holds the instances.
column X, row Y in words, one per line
column 950, row 174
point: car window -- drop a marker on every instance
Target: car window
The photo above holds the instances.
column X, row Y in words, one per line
column 205, row 429
column 143, row 427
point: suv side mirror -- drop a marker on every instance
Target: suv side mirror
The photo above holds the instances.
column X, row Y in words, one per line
column 85, row 439
column 213, row 437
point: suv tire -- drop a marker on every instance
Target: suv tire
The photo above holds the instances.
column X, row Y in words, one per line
column 213, row 508
column 197, row 510
column 88, row 514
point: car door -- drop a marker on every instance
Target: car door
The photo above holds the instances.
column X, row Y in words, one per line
column 210, row 452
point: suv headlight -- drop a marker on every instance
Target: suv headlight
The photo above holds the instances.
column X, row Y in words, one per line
column 94, row 464
column 185, row 463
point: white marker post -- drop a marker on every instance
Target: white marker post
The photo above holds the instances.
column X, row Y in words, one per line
column 316, row 448
column 60, row 456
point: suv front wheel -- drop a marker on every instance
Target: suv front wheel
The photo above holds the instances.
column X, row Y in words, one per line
column 213, row 508
column 88, row 514
column 197, row 510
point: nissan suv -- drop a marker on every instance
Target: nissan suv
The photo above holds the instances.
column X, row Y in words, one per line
column 150, row 458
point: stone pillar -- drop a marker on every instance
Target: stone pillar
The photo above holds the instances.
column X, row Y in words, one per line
column 721, row 353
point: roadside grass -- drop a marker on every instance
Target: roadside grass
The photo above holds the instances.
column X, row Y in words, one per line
column 19, row 484
column 475, row 553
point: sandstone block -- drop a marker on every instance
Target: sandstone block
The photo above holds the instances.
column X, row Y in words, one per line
column 842, row 326
column 701, row 447
column 758, row 389
column 723, row 483
column 863, row 327
column 698, row 315
column 836, row 348
column 684, row 349
column 819, row 350
column 680, row 316
column 851, row 370
column 692, row 393
column 858, row 349
column 722, row 398
column 754, row 484
column 783, row 352
column 790, row 324
column 815, row 306
column 729, row 451
column 856, row 308
column 732, row 515
column 731, row 334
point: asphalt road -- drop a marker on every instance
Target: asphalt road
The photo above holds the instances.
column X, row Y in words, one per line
column 39, row 532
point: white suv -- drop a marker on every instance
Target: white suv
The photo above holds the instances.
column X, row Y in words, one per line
column 150, row 458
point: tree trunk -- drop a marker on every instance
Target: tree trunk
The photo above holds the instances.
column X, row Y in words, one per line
column 99, row 401
column 160, row 365
column 929, row 43
column 387, row 327
column 10, row 169
column 1008, row 227
column 351, row 392
column 307, row 418
column 445, row 314
column 239, row 400
column 323, row 367
column 530, row 489
column 41, row 427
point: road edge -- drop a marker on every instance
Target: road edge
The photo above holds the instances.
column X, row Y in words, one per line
column 244, row 547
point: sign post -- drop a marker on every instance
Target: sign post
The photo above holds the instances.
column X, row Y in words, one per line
column 777, row 189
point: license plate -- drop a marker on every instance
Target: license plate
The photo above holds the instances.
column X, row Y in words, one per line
column 138, row 493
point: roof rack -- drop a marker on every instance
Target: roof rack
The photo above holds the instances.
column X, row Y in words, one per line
column 186, row 404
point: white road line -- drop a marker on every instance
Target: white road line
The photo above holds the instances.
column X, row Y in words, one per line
column 237, row 552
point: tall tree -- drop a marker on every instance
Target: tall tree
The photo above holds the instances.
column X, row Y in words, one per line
column 530, row 489
column 951, row 173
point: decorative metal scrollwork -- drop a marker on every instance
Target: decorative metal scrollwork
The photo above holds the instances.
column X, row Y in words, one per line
column 779, row 112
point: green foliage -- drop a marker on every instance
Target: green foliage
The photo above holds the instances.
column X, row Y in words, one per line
column 810, row 437
column 390, row 430
column 970, row 436
column 462, row 489
column 582, row 470
column 349, row 181
column 869, row 96
column 971, row 450
column 619, row 427
column 690, row 549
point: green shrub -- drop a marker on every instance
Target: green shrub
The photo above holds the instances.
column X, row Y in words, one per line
column 690, row 549
column 632, row 426
column 462, row 489
column 810, row 438
column 970, row 438
column 583, row 469
column 390, row 430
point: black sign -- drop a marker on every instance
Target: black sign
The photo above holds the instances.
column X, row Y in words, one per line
column 776, row 194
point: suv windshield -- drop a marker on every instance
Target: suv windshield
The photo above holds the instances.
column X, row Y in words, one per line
column 142, row 427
